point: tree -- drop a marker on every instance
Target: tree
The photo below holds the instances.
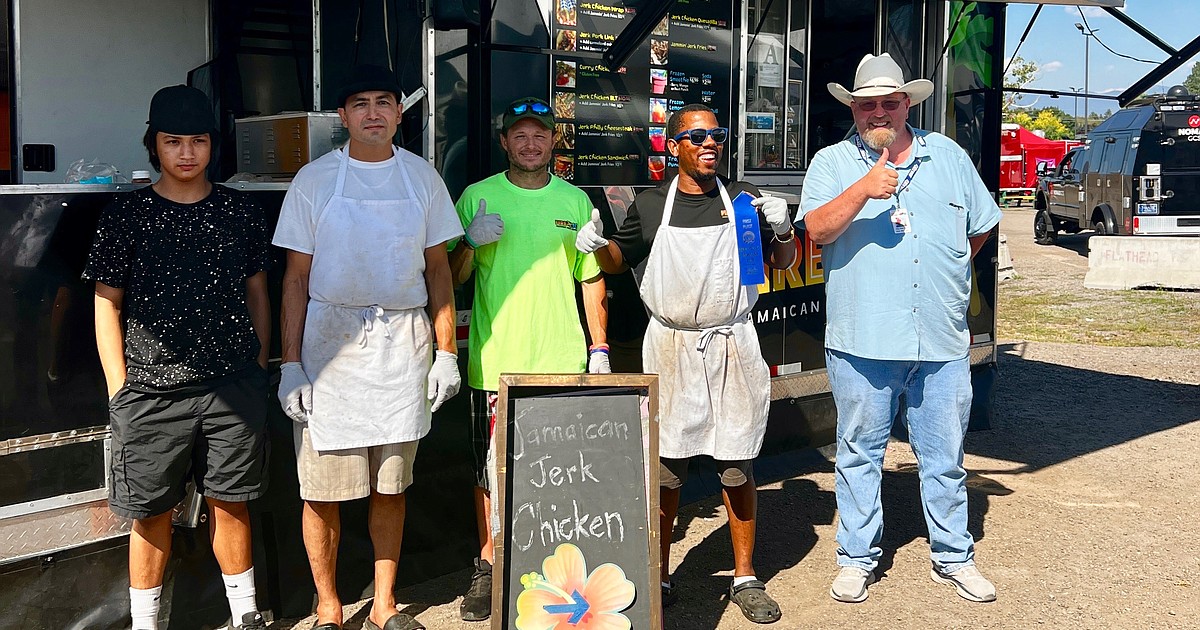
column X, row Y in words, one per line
column 1021, row 72
column 1022, row 118
column 1192, row 83
column 1050, row 124
column 1067, row 120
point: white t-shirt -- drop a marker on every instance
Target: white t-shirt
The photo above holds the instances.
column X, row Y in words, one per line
column 385, row 277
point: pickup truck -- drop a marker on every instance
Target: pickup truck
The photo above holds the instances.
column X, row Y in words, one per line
column 1139, row 173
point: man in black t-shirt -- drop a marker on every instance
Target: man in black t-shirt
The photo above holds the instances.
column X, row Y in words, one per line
column 714, row 387
column 182, row 325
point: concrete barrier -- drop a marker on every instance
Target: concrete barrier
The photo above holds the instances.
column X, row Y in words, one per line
column 1131, row 262
column 1004, row 263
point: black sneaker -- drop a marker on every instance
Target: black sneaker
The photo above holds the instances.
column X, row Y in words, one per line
column 477, row 603
column 250, row 621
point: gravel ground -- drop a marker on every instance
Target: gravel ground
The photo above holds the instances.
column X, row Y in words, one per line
column 1082, row 501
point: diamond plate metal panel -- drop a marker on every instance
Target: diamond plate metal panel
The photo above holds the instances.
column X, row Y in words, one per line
column 49, row 532
column 983, row 354
column 800, row 385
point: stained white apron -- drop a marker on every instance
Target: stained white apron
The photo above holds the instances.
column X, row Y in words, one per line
column 714, row 386
column 368, row 354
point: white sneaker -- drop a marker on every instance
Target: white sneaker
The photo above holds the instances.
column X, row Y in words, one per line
column 850, row 585
column 970, row 584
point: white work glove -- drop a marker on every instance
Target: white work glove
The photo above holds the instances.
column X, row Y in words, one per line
column 590, row 236
column 295, row 391
column 598, row 362
column 775, row 211
column 444, row 380
column 484, row 228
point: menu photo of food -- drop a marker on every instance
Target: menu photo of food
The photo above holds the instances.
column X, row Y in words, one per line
column 658, row 111
column 658, row 80
column 564, row 73
column 658, row 139
column 564, row 166
column 657, row 167
column 658, row 51
column 564, row 105
column 565, row 40
column 564, row 135
column 664, row 27
column 566, row 12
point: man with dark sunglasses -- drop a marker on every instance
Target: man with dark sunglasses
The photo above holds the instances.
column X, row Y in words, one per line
column 520, row 227
column 900, row 212
column 714, row 386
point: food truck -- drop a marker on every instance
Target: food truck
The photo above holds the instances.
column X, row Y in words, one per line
column 78, row 80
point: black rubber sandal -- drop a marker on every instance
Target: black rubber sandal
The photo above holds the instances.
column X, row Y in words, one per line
column 756, row 605
column 327, row 626
column 398, row 621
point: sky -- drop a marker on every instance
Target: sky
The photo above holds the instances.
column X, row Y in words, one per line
column 1058, row 48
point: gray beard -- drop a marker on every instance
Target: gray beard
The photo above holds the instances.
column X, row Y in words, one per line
column 880, row 138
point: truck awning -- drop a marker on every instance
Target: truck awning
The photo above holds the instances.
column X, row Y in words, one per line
column 1116, row 4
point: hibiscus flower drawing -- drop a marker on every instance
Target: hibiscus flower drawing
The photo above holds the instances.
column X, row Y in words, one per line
column 565, row 597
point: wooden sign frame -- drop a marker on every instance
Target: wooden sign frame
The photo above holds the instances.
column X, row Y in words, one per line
column 647, row 386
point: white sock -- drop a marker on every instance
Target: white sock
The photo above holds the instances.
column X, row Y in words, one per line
column 143, row 607
column 740, row 580
column 239, row 589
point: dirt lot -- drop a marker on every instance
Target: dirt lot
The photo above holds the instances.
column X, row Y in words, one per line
column 1082, row 495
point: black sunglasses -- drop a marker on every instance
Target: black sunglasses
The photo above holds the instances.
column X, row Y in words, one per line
column 537, row 106
column 697, row 136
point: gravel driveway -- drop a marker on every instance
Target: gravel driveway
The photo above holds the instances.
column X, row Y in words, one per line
column 1082, row 501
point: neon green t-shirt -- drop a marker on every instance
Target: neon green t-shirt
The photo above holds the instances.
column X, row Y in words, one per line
column 524, row 318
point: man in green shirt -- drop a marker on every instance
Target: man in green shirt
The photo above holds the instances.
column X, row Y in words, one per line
column 521, row 226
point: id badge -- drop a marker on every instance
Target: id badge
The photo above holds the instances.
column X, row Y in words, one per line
column 900, row 220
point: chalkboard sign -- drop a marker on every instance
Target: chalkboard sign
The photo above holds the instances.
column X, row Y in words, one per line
column 577, row 482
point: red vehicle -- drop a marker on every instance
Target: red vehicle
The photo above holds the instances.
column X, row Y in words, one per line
column 1022, row 156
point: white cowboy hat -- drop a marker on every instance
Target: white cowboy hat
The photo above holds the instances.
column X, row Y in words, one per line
column 880, row 76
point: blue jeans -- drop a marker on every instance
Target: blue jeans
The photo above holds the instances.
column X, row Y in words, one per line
column 938, row 406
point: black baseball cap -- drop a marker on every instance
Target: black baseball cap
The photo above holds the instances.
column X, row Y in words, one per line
column 369, row 78
column 181, row 110
column 528, row 107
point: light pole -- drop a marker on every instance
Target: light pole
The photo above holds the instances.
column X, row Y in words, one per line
column 1087, row 33
column 1075, row 115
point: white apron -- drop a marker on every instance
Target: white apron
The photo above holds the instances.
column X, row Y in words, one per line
column 368, row 358
column 714, row 386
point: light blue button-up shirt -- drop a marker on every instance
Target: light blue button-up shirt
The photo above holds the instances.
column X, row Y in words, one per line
column 902, row 296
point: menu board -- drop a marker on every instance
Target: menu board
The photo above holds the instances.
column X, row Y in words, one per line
column 611, row 128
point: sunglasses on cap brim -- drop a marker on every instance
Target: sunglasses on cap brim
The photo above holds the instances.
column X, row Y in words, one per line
column 697, row 136
column 538, row 107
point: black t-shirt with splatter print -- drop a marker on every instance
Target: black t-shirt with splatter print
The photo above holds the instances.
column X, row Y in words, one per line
column 183, row 268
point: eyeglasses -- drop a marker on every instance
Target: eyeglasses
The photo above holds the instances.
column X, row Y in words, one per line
column 538, row 107
column 869, row 106
column 697, row 136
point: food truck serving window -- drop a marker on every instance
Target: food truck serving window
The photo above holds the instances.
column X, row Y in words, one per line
column 774, row 112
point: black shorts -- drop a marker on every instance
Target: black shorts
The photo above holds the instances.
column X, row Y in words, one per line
column 216, row 436
column 733, row 473
column 483, row 420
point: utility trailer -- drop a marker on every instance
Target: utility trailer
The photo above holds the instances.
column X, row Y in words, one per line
column 79, row 80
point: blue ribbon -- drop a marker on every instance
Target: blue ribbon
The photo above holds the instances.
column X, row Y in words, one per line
column 749, row 240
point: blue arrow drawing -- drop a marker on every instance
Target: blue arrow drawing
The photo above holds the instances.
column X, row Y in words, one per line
column 576, row 610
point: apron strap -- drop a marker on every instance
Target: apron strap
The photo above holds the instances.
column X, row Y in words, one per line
column 709, row 333
column 342, row 167
column 369, row 316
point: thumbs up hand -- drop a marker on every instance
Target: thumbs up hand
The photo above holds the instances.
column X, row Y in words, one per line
column 880, row 182
column 484, row 228
column 591, row 236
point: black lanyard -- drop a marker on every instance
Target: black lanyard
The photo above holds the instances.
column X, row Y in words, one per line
column 912, row 172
